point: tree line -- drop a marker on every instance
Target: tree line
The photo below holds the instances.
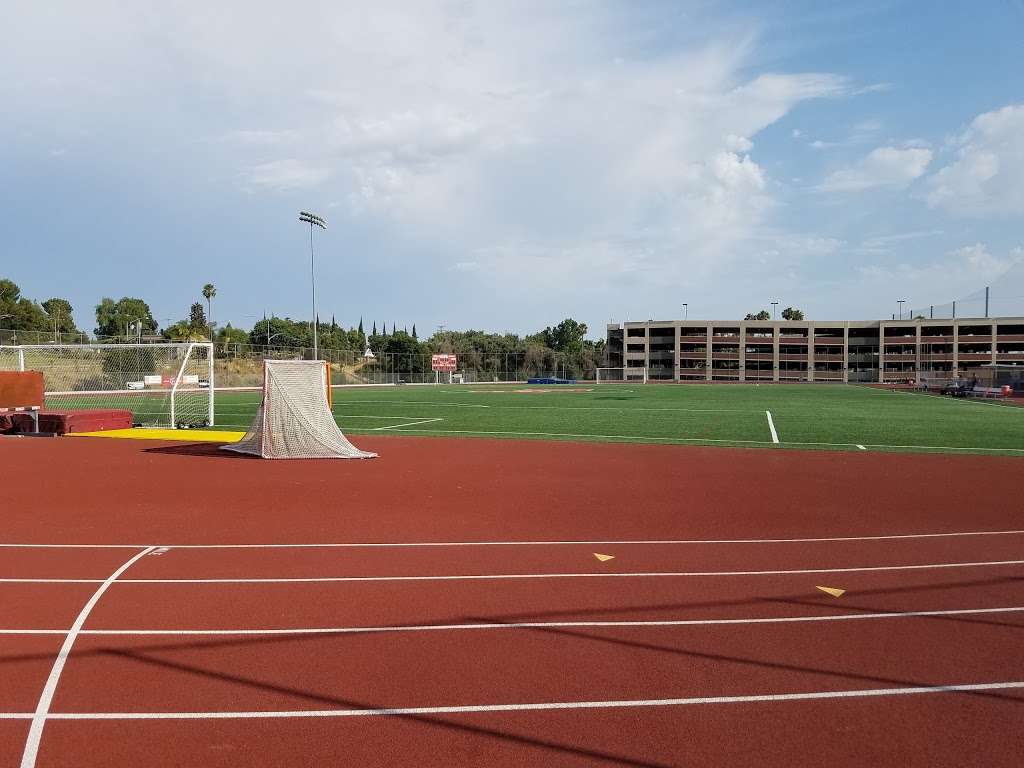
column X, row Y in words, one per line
column 789, row 313
column 130, row 318
column 19, row 313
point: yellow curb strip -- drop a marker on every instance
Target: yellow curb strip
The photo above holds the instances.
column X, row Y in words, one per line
column 182, row 435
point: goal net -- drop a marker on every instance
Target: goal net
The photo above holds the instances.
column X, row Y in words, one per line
column 295, row 419
column 621, row 375
column 609, row 376
column 163, row 385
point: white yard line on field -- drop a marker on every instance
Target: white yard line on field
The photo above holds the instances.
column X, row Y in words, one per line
column 407, row 424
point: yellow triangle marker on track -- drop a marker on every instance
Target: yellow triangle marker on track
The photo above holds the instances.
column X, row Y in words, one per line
column 604, row 558
column 834, row 591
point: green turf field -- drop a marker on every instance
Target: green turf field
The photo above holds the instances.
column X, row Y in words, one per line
column 827, row 417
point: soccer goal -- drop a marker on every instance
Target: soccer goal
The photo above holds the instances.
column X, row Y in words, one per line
column 163, row 385
column 621, row 375
column 295, row 419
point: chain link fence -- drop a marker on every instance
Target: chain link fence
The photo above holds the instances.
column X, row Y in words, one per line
column 240, row 365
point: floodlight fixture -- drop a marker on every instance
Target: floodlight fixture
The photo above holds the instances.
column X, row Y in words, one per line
column 314, row 221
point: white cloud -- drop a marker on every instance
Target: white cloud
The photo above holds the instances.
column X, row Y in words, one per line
column 977, row 259
column 882, row 244
column 535, row 140
column 987, row 177
column 738, row 143
column 260, row 138
column 871, row 125
column 873, row 88
column 285, row 175
column 961, row 270
column 882, row 167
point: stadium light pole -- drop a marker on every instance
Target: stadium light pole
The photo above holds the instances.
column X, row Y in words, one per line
column 901, row 302
column 313, row 220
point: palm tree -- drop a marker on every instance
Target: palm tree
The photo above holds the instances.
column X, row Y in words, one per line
column 209, row 292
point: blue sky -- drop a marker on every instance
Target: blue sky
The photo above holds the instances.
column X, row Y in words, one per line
column 502, row 165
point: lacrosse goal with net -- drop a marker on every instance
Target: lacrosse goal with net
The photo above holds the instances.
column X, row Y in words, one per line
column 295, row 419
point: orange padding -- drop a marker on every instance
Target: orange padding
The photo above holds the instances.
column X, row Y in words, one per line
column 330, row 393
column 21, row 389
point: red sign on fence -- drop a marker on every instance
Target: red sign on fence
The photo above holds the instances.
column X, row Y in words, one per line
column 443, row 362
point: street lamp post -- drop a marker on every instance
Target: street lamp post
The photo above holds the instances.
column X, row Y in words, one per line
column 774, row 305
column 686, row 310
column 313, row 220
column 901, row 302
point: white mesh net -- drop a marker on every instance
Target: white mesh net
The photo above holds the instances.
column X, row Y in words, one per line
column 294, row 420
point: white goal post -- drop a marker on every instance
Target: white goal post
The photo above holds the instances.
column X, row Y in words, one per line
column 621, row 375
column 167, row 385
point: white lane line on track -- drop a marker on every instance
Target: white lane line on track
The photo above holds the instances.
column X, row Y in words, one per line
column 861, row 447
column 519, row 625
column 35, row 732
column 771, row 427
column 527, row 543
column 540, row 706
column 407, row 424
column 510, row 576
column 946, row 447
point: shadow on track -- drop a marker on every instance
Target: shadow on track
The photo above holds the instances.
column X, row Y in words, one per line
column 588, row 635
column 429, row 720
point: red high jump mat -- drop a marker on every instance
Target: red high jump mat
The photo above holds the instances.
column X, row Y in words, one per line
column 66, row 422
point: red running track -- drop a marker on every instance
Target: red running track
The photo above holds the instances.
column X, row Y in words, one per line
column 161, row 692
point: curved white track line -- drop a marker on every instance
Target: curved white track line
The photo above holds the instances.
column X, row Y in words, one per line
column 35, row 732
